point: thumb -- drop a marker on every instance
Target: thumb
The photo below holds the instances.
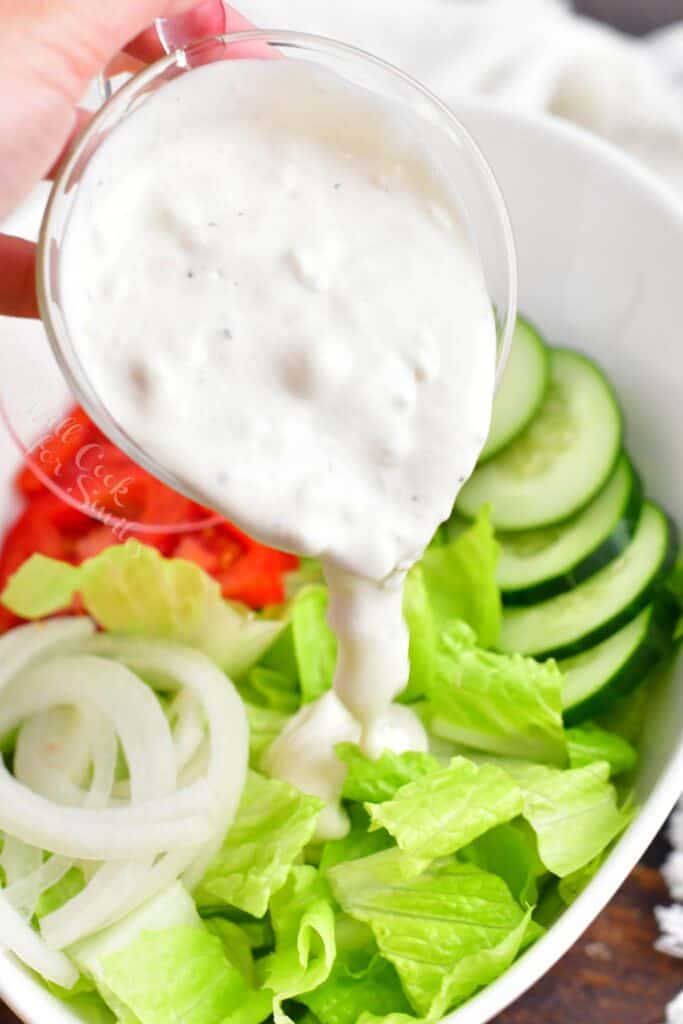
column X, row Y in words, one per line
column 50, row 50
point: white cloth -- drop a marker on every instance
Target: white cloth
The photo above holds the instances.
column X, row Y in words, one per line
column 532, row 54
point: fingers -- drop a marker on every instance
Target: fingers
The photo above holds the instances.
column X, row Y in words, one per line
column 17, row 277
column 207, row 18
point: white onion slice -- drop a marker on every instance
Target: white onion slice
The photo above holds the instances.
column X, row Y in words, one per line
column 18, row 936
column 104, row 752
column 18, row 859
column 25, row 644
column 126, row 701
column 25, row 893
column 52, row 754
column 188, row 729
column 175, row 666
column 121, row 833
column 197, row 767
column 113, row 892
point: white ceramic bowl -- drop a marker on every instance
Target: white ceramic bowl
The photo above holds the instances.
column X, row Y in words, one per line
column 600, row 246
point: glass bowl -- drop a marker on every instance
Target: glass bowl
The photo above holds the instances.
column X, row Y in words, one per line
column 481, row 201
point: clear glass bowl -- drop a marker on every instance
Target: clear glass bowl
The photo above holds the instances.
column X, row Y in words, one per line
column 481, row 200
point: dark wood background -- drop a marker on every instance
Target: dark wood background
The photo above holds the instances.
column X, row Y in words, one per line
column 612, row 975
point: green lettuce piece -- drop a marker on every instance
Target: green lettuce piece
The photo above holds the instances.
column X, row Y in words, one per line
column 264, row 725
column 574, row 813
column 358, row 841
column 60, row 893
column 361, row 981
column 274, row 822
column 504, row 704
column 588, row 743
column 573, row 885
column 236, row 946
column 460, row 579
column 182, row 976
column 275, row 689
column 373, row 781
column 509, row 851
column 281, row 656
column 132, row 588
column 447, row 932
column 419, row 617
column 442, row 812
column 315, row 644
column 674, row 585
column 88, row 1007
column 305, row 942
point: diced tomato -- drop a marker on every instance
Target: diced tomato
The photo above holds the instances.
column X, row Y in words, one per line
column 246, row 570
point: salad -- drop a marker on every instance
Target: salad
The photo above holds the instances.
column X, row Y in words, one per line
column 152, row 871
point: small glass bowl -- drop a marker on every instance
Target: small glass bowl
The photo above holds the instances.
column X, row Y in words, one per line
column 481, row 200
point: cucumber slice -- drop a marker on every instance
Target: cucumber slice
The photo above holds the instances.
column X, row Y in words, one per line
column 581, row 617
column 563, row 458
column 538, row 564
column 597, row 677
column 522, row 389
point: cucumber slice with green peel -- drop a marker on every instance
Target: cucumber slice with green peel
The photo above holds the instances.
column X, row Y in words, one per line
column 597, row 677
column 522, row 389
column 538, row 564
column 563, row 458
column 581, row 617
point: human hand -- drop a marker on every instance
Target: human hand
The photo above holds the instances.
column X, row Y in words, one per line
column 50, row 50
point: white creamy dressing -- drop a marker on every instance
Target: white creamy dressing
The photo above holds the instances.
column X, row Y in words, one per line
column 270, row 285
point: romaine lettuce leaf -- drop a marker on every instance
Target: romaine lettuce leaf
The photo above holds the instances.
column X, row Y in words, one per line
column 447, row 932
column 574, row 813
column 315, row 644
column 274, row 822
column 264, row 725
column 305, row 943
column 361, row 981
column 417, row 611
column 504, row 704
column 358, row 841
column 442, row 812
column 573, row 885
column 132, row 588
column 460, row 580
column 275, row 689
column 236, row 946
column 373, row 781
column 509, row 851
column 182, row 976
column 588, row 743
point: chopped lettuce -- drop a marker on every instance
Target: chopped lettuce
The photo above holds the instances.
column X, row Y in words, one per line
column 588, row 743
column 236, row 945
column 442, row 812
column 574, row 813
column 361, row 981
column 59, row 893
column 182, row 976
column 273, row 824
column 460, row 580
column 504, row 704
column 573, row 885
column 264, row 725
column 358, row 842
column 447, row 932
column 132, row 588
column 417, row 611
column 509, row 851
column 305, row 943
column 275, row 689
column 373, row 781
column 315, row 644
